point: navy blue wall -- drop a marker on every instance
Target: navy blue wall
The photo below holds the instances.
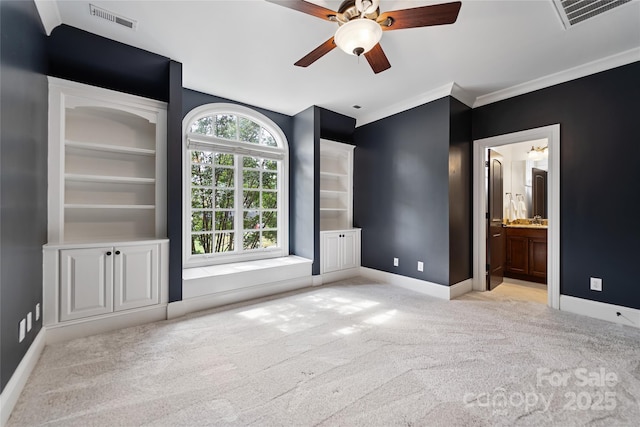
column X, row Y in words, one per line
column 336, row 127
column 87, row 58
column 304, row 191
column 599, row 175
column 401, row 191
column 23, row 176
column 460, row 193
column 174, row 180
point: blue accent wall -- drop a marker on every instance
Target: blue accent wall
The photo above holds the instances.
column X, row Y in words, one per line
column 401, row 192
column 23, row 176
column 599, row 175
column 304, row 191
column 460, row 193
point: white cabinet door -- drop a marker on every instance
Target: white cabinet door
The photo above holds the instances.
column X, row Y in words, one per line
column 135, row 276
column 86, row 282
column 348, row 246
column 331, row 254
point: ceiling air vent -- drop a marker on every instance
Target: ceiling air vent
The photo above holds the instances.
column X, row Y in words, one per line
column 574, row 11
column 110, row 16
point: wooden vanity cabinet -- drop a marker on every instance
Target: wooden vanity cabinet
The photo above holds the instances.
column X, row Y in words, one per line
column 526, row 254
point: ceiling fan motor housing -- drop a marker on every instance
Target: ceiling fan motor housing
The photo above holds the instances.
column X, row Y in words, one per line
column 349, row 11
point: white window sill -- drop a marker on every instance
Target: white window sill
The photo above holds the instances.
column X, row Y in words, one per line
column 200, row 281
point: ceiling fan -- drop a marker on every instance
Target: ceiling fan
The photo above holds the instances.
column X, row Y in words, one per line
column 361, row 25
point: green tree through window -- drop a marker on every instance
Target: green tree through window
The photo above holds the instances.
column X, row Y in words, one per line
column 234, row 206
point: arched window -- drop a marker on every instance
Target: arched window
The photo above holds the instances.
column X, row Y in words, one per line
column 235, row 186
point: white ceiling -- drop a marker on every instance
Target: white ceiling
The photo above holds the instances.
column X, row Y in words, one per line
column 244, row 50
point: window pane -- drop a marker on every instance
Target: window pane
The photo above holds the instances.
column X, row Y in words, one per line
column 250, row 162
column 201, row 157
column 203, row 126
column 270, row 180
column 201, row 198
column 201, row 244
column 201, row 221
column 201, row 175
column 226, row 126
column 224, row 199
column 249, row 131
column 224, row 242
column 269, row 239
column 224, row 178
column 271, row 165
column 224, row 220
column 269, row 200
column 251, row 200
column 251, row 240
column 251, row 220
column 224, row 159
column 267, row 139
column 270, row 219
column 251, row 179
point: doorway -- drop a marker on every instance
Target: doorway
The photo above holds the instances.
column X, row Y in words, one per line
column 552, row 135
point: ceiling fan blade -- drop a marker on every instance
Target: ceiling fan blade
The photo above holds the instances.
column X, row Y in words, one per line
column 306, row 7
column 425, row 16
column 377, row 59
column 317, row 53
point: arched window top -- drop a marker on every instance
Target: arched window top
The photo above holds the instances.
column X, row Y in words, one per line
column 233, row 122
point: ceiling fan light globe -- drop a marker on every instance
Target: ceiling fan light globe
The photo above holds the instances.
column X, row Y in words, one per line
column 358, row 36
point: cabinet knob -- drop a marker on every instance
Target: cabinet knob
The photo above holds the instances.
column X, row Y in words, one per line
column 108, row 253
column 117, row 252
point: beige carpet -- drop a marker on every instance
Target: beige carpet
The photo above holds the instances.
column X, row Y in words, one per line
column 521, row 290
column 353, row 353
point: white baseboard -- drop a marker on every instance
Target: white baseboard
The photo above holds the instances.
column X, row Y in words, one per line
column 460, row 288
column 190, row 305
column 600, row 310
column 90, row 326
column 420, row 286
column 14, row 387
column 334, row 276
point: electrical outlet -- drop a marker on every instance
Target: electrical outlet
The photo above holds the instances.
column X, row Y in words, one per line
column 396, row 262
column 23, row 330
column 596, row 284
column 420, row 266
column 29, row 321
column 37, row 312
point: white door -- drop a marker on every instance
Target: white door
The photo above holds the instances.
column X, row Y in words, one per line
column 86, row 282
column 348, row 243
column 135, row 276
column 331, row 256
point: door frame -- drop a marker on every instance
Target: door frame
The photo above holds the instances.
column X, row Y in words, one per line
column 552, row 134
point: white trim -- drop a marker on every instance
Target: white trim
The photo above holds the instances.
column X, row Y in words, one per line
column 552, row 134
column 65, row 331
column 203, row 281
column 460, row 288
column 613, row 61
column 600, row 310
column 19, row 378
column 450, row 89
column 335, row 276
column 421, row 286
column 190, row 305
column 283, row 193
column 49, row 14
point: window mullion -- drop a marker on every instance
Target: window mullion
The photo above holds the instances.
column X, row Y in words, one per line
column 239, row 224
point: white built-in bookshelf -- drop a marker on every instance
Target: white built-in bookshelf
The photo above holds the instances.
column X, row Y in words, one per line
column 336, row 185
column 106, row 165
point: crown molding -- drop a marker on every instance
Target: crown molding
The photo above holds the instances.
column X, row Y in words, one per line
column 49, row 14
column 613, row 61
column 449, row 89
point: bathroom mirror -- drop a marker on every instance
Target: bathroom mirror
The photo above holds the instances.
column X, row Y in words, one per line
column 525, row 179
